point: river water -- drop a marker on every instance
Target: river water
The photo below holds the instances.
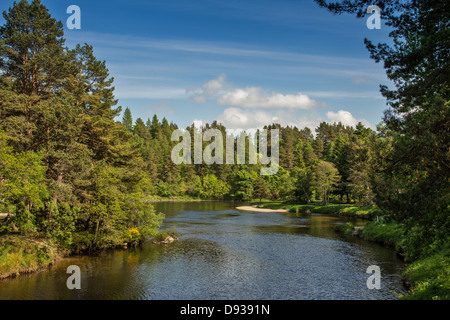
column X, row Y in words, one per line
column 227, row 254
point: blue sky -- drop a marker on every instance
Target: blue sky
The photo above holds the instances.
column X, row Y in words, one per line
column 243, row 63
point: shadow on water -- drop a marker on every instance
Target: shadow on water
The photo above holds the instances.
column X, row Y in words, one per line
column 224, row 253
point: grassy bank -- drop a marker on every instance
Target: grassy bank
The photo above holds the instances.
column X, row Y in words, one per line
column 19, row 254
column 428, row 278
column 348, row 210
column 387, row 233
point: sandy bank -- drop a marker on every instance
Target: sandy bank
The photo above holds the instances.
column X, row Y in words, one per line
column 255, row 209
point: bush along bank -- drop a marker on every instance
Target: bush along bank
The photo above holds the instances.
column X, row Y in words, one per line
column 19, row 255
column 426, row 277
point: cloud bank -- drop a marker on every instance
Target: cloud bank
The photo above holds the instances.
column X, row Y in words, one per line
column 253, row 108
column 255, row 97
column 250, row 97
column 346, row 118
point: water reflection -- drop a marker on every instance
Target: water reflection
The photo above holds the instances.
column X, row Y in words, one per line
column 224, row 253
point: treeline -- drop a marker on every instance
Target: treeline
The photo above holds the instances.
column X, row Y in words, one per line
column 68, row 171
column 335, row 164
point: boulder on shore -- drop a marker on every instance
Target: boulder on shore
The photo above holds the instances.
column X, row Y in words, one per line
column 167, row 240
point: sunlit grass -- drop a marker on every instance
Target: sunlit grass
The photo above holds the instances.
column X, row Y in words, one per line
column 350, row 210
column 430, row 277
column 21, row 255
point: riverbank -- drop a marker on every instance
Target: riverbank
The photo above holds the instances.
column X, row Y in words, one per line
column 427, row 278
column 257, row 209
column 21, row 255
column 26, row 254
column 184, row 199
column 174, row 199
column 346, row 210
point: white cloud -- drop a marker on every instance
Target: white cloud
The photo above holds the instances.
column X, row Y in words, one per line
column 237, row 119
column 209, row 89
column 213, row 87
column 346, row 118
column 255, row 97
column 250, row 97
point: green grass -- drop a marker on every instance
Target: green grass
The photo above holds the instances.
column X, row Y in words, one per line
column 348, row 210
column 389, row 233
column 429, row 277
column 19, row 255
column 346, row 228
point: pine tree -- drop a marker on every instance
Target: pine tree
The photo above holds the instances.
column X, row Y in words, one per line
column 326, row 176
column 31, row 48
column 318, row 147
column 127, row 120
column 308, row 154
column 262, row 189
column 341, row 159
column 298, row 154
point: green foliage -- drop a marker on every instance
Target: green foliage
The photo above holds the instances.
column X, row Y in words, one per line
column 61, row 226
column 21, row 184
column 162, row 189
column 303, row 184
column 242, row 185
column 262, row 189
column 326, row 176
column 23, row 255
column 346, row 228
column 127, row 120
column 388, row 233
column 213, row 188
column 429, row 277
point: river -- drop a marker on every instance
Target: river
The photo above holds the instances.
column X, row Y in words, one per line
column 224, row 254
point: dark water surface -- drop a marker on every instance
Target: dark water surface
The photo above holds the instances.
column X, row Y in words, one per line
column 226, row 254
